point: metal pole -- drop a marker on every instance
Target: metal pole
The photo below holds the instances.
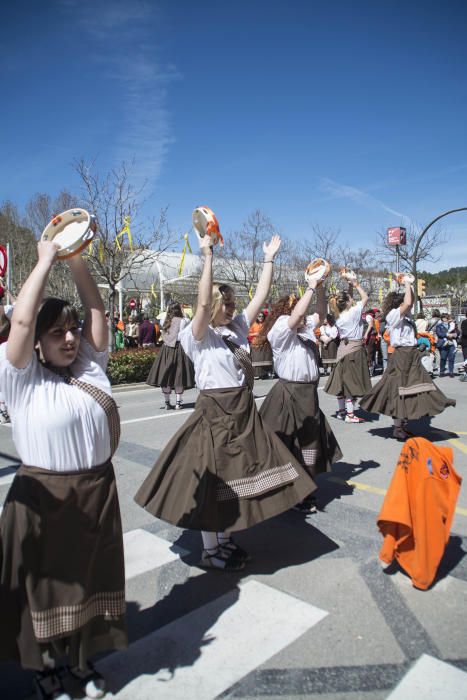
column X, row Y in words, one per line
column 417, row 246
column 8, row 272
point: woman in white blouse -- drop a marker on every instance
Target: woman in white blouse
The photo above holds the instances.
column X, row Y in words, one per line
column 350, row 378
column 62, row 597
column 223, row 470
column 406, row 390
column 291, row 408
column 329, row 342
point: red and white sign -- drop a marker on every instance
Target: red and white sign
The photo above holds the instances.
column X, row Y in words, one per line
column 3, row 260
column 397, row 236
column 132, row 303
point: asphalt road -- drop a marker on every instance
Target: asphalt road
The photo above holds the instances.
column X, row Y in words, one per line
column 314, row 615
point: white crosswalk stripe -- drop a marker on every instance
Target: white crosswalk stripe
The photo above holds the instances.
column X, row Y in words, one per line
column 251, row 624
column 431, row 679
column 145, row 552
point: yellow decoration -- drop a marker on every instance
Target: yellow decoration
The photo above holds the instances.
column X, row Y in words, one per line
column 380, row 295
column 182, row 259
column 300, row 291
column 153, row 291
column 250, row 293
column 101, row 251
column 125, row 229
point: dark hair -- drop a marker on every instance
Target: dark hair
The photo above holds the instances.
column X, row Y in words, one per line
column 392, row 301
column 174, row 310
column 420, row 315
column 283, row 307
column 436, row 313
column 339, row 302
column 51, row 309
column 330, row 318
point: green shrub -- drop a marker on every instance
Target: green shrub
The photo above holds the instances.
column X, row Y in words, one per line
column 128, row 366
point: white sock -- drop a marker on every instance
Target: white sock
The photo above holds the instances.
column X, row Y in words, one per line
column 179, row 398
column 340, row 404
column 349, row 406
column 223, row 537
column 209, row 541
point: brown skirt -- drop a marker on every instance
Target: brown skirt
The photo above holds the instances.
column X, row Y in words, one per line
column 172, row 367
column 406, row 390
column 261, row 359
column 350, row 376
column 224, row 469
column 62, row 578
column 292, row 410
column 329, row 352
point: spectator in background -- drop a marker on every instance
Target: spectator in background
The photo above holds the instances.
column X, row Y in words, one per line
column 146, row 333
column 421, row 323
column 463, row 344
column 131, row 333
column 6, row 311
column 261, row 356
column 446, row 344
column 119, row 336
column 328, row 342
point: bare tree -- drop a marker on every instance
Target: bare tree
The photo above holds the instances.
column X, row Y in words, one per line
column 114, row 200
column 240, row 261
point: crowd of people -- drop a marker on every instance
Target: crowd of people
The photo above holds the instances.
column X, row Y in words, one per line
column 226, row 469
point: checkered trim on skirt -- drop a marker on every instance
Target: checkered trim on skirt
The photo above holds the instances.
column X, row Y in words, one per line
column 255, row 485
column 416, row 389
column 309, row 457
column 66, row 619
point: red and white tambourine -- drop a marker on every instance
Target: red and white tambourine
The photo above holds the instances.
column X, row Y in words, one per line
column 206, row 224
column 403, row 277
column 3, row 261
column 73, row 230
column 318, row 270
column 348, row 274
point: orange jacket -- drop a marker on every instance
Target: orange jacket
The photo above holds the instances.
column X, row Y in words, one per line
column 418, row 509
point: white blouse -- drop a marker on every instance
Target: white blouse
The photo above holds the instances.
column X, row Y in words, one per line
column 330, row 331
column 401, row 330
column 293, row 361
column 350, row 324
column 216, row 367
column 55, row 425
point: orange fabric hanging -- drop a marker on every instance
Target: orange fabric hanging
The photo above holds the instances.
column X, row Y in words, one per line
column 418, row 509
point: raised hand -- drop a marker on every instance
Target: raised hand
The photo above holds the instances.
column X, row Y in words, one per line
column 47, row 252
column 270, row 249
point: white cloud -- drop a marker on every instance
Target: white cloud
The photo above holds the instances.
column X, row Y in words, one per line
column 123, row 36
column 360, row 197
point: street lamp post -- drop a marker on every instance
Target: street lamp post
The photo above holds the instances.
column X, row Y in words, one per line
column 417, row 246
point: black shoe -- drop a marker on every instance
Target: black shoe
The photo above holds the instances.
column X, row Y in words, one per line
column 48, row 686
column 91, row 681
column 235, row 550
column 307, row 506
column 221, row 560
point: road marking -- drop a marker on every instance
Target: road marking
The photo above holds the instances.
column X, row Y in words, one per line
column 431, row 679
column 457, row 443
column 146, row 552
column 169, row 414
column 378, row 491
column 203, row 653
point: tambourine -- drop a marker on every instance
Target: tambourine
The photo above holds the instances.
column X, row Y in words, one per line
column 318, row 270
column 206, row 224
column 348, row 274
column 403, row 277
column 73, row 230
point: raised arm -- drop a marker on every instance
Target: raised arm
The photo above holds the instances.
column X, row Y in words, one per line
column 264, row 284
column 23, row 323
column 95, row 329
column 409, row 296
column 363, row 294
column 298, row 314
column 202, row 316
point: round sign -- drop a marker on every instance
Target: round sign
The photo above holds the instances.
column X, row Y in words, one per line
column 132, row 303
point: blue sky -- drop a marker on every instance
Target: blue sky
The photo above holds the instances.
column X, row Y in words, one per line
column 350, row 115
